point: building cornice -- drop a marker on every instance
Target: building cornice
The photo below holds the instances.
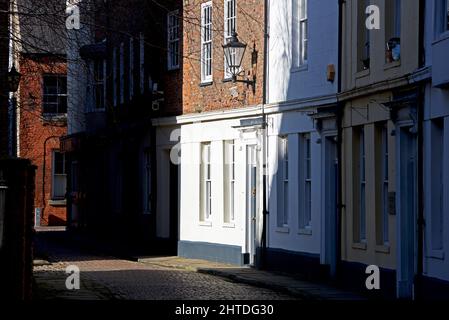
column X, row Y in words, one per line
column 307, row 104
column 376, row 87
column 257, row 110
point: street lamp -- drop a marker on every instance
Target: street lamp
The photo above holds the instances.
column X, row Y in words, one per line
column 13, row 79
column 234, row 50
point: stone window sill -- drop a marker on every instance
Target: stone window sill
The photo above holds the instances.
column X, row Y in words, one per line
column 205, row 223
column 229, row 225
column 283, row 229
column 359, row 246
column 301, row 68
column 436, row 254
column 391, row 65
column 57, row 203
column 206, row 83
column 305, row 232
column 362, row 73
column 383, row 249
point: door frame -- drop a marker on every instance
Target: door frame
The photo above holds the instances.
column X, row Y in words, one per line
column 406, row 224
column 329, row 237
column 252, row 214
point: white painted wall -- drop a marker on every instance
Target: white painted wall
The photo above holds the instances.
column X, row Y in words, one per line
column 77, row 72
column 164, row 144
column 219, row 232
column 285, row 83
column 436, row 264
column 291, row 124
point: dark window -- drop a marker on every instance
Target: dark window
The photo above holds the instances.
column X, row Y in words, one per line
column 59, row 175
column 100, row 88
column 55, row 94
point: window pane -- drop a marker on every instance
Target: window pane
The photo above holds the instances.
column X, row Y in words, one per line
column 308, row 203
column 55, row 94
column 447, row 15
column 362, row 213
column 50, row 84
column 50, row 107
column 232, row 200
column 208, row 198
column 59, row 186
column 62, row 104
column 58, row 163
column 286, row 203
column 303, row 9
column 385, row 214
column 62, row 85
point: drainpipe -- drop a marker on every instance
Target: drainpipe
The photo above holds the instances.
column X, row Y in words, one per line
column 43, row 173
column 420, row 106
column 264, row 139
column 340, row 110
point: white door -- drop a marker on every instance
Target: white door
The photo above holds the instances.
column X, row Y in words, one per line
column 330, row 204
column 252, row 196
column 407, row 212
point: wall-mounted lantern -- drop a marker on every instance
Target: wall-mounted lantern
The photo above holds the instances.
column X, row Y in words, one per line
column 13, row 79
column 234, row 50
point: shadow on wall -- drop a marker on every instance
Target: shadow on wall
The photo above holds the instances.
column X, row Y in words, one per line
column 54, row 220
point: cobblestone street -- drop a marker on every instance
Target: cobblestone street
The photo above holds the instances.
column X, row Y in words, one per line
column 105, row 277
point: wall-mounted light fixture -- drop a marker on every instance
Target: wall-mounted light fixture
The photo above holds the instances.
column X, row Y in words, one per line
column 234, row 50
column 13, row 79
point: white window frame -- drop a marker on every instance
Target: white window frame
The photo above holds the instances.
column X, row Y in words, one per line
column 114, row 76
column 173, row 40
column 441, row 17
column 446, row 18
column 230, row 181
column 206, row 182
column 363, row 35
column 362, row 185
column 397, row 18
column 142, row 62
column 285, row 181
column 305, row 171
column 230, row 26
column 131, row 68
column 58, row 93
column 437, row 185
column 304, row 34
column 385, row 185
column 54, row 175
column 300, row 33
column 206, row 42
column 99, row 83
column 122, row 73
column 147, row 181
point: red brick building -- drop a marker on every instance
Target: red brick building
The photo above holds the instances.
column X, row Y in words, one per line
column 39, row 118
column 222, row 132
column 42, row 108
column 200, row 95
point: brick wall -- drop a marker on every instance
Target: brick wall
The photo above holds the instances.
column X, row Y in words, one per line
column 219, row 95
column 150, row 19
column 35, row 131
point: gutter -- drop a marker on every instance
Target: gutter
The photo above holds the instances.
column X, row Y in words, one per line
column 263, row 262
column 340, row 110
column 420, row 106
